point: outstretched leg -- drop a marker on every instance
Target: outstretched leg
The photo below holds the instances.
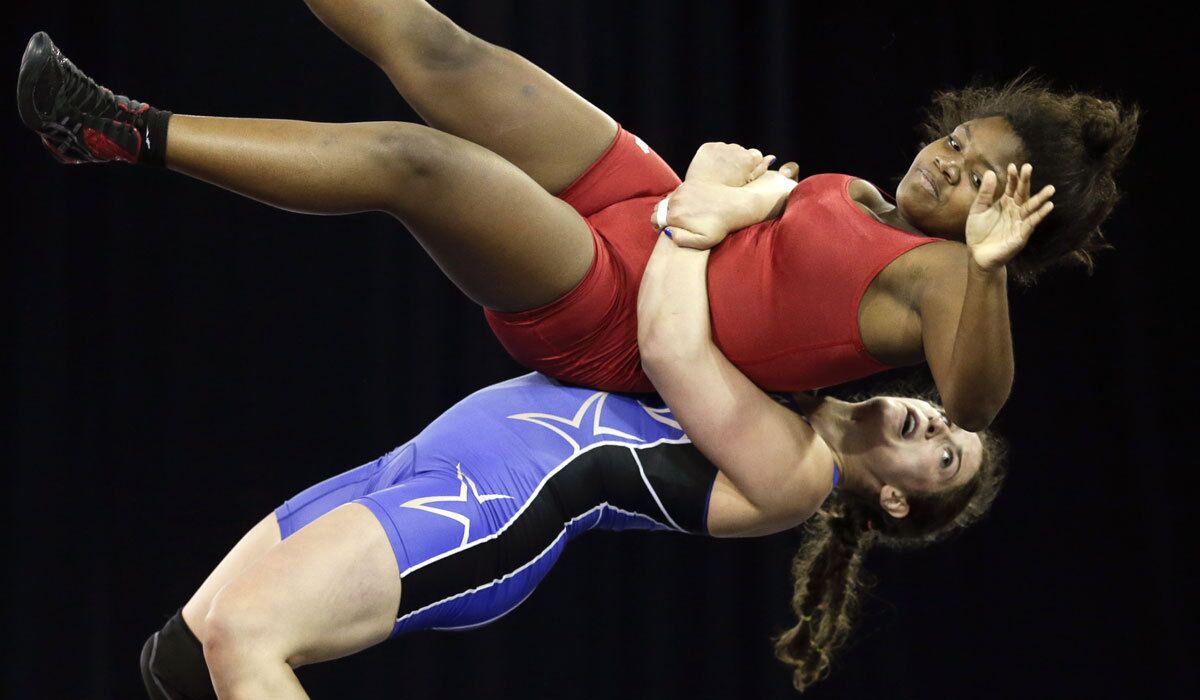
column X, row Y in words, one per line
column 172, row 659
column 329, row 590
column 468, row 87
column 498, row 234
column 505, row 241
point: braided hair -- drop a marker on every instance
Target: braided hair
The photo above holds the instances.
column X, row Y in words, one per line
column 827, row 567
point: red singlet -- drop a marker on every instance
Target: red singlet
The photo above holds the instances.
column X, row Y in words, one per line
column 784, row 294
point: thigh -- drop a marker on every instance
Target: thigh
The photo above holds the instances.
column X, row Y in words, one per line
column 329, row 590
column 505, row 241
column 498, row 99
column 298, row 511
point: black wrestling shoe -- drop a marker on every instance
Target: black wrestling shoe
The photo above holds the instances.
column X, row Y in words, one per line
column 78, row 120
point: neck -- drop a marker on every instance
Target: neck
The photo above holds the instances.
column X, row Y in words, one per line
column 833, row 420
column 895, row 219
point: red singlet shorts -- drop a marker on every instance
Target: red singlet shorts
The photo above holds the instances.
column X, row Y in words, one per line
column 589, row 336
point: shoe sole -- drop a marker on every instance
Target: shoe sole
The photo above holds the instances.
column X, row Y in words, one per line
column 39, row 52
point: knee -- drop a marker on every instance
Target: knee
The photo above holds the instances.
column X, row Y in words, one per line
column 172, row 664
column 441, row 45
column 235, row 627
column 412, row 153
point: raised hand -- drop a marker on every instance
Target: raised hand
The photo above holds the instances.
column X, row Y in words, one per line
column 727, row 164
column 999, row 227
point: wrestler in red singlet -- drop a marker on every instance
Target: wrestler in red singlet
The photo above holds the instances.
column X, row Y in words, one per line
column 783, row 294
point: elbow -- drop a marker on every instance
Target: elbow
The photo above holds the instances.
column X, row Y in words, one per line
column 665, row 344
column 974, row 410
column 660, row 354
column 973, row 416
column 652, row 347
column 972, row 423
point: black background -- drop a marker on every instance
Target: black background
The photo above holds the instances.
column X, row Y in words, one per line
column 183, row 359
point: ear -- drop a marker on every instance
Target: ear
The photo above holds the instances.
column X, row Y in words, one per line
column 893, row 501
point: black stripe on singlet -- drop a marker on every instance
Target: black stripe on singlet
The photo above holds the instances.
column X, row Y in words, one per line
column 681, row 479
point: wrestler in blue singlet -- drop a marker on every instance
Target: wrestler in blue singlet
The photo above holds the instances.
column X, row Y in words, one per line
column 480, row 504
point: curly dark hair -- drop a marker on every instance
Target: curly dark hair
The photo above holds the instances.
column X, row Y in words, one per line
column 1076, row 142
column 827, row 567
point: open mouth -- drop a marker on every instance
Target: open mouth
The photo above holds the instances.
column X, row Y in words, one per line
column 910, row 423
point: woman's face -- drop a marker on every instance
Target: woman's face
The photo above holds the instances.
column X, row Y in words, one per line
column 940, row 186
column 910, row 445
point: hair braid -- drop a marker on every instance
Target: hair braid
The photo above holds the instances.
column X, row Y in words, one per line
column 827, row 568
column 827, row 565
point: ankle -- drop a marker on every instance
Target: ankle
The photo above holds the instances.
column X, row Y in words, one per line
column 154, row 126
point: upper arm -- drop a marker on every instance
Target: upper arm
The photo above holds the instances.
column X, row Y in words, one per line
column 769, row 455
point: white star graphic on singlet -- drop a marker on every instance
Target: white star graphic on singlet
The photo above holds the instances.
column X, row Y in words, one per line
column 465, row 482
column 661, row 415
column 577, row 425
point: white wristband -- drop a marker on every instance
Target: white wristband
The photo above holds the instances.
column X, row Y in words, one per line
column 660, row 214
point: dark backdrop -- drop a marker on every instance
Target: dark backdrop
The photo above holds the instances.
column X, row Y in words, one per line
column 183, row 359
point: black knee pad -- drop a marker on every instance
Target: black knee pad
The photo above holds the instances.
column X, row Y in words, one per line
column 173, row 666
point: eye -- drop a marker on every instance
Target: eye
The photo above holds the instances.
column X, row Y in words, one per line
column 976, row 179
column 947, row 457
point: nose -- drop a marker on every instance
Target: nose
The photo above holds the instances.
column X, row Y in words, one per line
column 935, row 425
column 949, row 167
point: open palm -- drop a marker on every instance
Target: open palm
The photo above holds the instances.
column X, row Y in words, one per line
column 999, row 227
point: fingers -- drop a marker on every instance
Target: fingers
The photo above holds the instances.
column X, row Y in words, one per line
column 686, row 239
column 790, row 170
column 1023, row 186
column 1040, row 198
column 1030, row 204
column 763, row 164
column 1010, row 187
column 1036, row 217
column 987, row 193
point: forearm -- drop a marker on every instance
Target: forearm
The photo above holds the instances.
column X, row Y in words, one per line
column 675, row 342
column 980, row 372
column 716, row 210
column 750, row 205
column 768, row 196
column 756, row 443
column 673, row 318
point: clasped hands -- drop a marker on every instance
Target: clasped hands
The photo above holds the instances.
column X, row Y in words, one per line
column 726, row 188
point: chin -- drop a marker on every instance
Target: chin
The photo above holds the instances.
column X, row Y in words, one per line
column 876, row 411
column 912, row 200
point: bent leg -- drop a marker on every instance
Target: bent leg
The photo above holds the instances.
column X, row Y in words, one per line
column 329, row 590
column 498, row 235
column 468, row 87
column 172, row 659
column 255, row 543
